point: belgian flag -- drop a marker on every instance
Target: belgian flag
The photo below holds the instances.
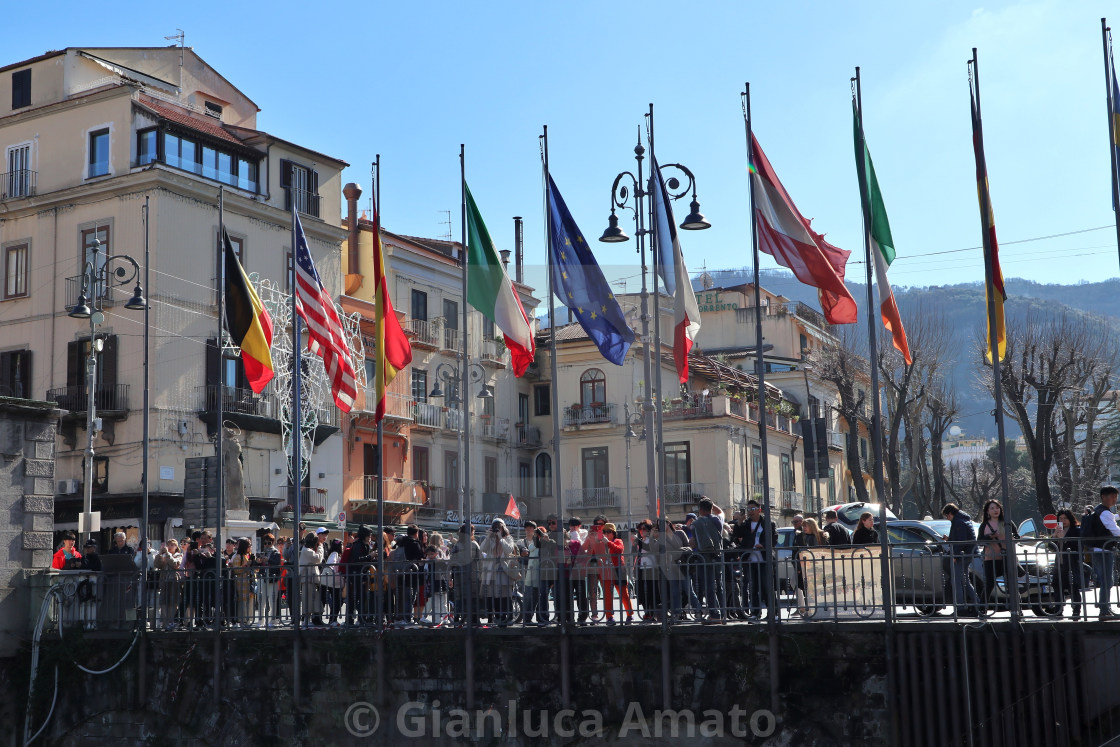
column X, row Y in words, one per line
column 247, row 321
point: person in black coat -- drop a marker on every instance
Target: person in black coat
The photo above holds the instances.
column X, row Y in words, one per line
column 865, row 533
column 1070, row 567
column 962, row 548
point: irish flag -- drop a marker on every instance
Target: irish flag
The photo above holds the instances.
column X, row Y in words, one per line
column 490, row 290
column 394, row 351
column 882, row 245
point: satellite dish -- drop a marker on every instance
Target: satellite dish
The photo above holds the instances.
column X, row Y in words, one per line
column 955, row 430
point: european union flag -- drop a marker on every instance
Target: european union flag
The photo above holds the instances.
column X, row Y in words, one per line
column 580, row 285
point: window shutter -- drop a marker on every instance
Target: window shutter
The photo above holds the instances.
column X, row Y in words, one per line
column 286, row 182
column 213, row 363
column 24, row 374
column 6, row 377
column 313, row 188
column 75, row 364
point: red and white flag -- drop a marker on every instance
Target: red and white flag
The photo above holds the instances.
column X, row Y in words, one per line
column 326, row 337
column 671, row 267
column 512, row 510
column 785, row 234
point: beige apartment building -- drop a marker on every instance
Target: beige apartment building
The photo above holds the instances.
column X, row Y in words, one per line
column 91, row 136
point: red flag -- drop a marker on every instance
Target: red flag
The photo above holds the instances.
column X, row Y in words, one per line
column 785, row 234
column 512, row 510
column 393, row 349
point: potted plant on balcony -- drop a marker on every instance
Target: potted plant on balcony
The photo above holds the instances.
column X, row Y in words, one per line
column 499, row 344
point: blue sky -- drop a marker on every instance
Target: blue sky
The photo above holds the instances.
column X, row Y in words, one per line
column 412, row 81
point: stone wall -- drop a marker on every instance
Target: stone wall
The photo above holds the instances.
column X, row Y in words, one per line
column 720, row 681
column 27, row 443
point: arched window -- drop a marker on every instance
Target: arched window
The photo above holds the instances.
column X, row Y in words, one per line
column 544, row 474
column 592, row 388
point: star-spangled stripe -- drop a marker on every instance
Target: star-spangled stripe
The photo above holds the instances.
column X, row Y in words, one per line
column 326, row 338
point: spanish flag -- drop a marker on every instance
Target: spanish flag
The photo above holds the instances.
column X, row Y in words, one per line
column 247, row 321
column 394, row 352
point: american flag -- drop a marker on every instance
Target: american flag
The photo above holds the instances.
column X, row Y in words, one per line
column 316, row 308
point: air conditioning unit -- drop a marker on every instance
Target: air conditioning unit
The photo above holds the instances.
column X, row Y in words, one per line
column 68, row 487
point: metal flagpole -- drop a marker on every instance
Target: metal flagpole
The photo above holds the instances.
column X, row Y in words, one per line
column 993, row 338
column 145, row 508
column 220, row 449
column 656, row 505
column 873, row 356
column 760, row 365
column 562, row 599
column 297, row 466
column 876, row 414
column 379, row 375
column 464, row 403
column 1113, row 126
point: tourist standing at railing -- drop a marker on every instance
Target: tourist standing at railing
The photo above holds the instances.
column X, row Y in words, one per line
column 1100, row 532
column 436, row 582
column 592, row 563
column 357, row 562
column 549, row 540
column 707, row 540
column 993, row 535
column 407, row 558
column 269, row 562
column 120, row 546
column 809, row 535
column 738, row 586
column 466, row 552
column 668, row 561
column 311, row 609
column 614, row 575
column 649, row 591
column 1071, row 575
column 755, row 561
column 167, row 567
column 962, row 549
column 208, row 562
column 242, row 577
column 865, row 533
column 501, row 570
column 531, row 565
column 575, row 573
column 686, row 525
column 333, row 580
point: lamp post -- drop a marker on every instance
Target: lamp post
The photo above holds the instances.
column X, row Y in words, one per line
column 99, row 276
column 621, row 195
column 632, row 419
column 451, row 375
column 806, row 369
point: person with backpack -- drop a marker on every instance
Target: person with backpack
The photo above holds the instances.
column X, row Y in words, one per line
column 1098, row 531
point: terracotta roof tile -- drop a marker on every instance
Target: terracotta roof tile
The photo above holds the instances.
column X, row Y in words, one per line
column 205, row 125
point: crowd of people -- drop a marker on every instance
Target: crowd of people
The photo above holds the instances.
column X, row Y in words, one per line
column 704, row 568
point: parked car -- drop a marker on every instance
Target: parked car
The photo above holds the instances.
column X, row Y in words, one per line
column 848, row 513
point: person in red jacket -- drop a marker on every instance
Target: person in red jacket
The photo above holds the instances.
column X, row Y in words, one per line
column 614, row 576
column 66, row 552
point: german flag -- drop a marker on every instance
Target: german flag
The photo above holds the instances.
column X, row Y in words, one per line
column 247, row 321
column 991, row 246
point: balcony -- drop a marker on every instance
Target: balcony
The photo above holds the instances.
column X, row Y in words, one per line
column 423, row 333
column 493, row 353
column 396, row 490
column 396, row 405
column 683, row 494
column 426, row 415
column 312, row 502
column 594, row 414
column 836, row 440
column 106, row 292
column 110, row 401
column 452, row 341
column 809, row 314
column 237, row 401
column 19, row 183
column 527, row 437
column 690, row 406
column 792, row 501
column 493, row 429
column 589, row 498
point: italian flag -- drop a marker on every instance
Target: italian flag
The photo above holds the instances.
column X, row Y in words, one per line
column 490, row 290
column 882, row 245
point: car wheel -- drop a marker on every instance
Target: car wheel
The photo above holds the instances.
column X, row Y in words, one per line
column 927, row 610
column 1048, row 609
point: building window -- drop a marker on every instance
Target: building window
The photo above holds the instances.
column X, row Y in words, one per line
column 421, row 463
column 21, row 88
column 98, row 153
column 804, row 340
column 451, row 472
column 596, row 470
column 100, row 474
column 490, row 471
column 370, row 366
column 544, row 475
column 832, row 483
column 147, row 147
column 419, row 305
column 542, row 399
column 214, row 110
column 592, row 387
column 209, row 161
column 105, row 387
column 20, row 180
column 301, row 188
column 787, row 473
column 524, row 479
column 420, row 384
column 451, row 313
column 487, row 328
column 678, row 463
column 15, row 271
column 90, row 233
column 756, row 469
column 15, row 374
column 522, row 408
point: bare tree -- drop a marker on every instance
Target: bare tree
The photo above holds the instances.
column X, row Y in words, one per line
column 847, row 370
column 1048, row 359
column 941, row 408
column 907, row 389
